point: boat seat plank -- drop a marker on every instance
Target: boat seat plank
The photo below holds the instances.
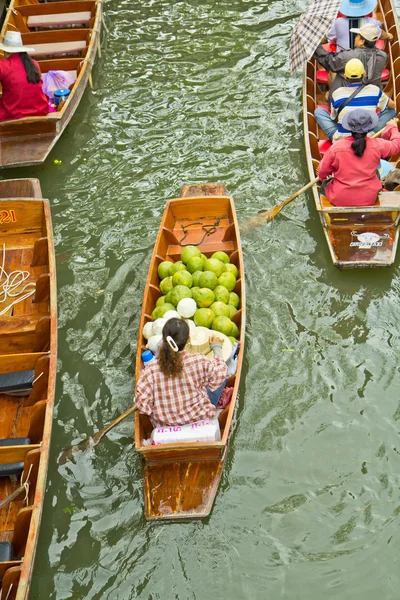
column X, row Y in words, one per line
column 21, row 362
column 10, row 583
column 15, row 454
column 59, row 48
column 40, row 252
column 61, row 20
column 27, row 333
column 387, row 201
column 7, row 565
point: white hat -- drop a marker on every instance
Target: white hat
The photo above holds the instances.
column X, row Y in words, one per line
column 13, row 43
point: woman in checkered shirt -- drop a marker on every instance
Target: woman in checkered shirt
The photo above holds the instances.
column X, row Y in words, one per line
column 172, row 390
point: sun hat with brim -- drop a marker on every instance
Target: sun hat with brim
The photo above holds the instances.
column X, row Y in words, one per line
column 360, row 120
column 368, row 31
column 357, row 8
column 13, row 43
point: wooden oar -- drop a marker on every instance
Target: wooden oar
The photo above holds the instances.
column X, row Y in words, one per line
column 267, row 215
column 93, row 440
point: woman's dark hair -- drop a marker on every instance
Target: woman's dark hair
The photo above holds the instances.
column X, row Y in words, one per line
column 170, row 362
column 31, row 70
column 367, row 43
column 359, row 144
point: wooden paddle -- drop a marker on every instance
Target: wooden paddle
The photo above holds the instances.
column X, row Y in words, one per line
column 93, row 440
column 267, row 215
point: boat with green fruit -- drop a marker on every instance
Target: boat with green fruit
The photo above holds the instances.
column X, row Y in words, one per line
column 196, row 272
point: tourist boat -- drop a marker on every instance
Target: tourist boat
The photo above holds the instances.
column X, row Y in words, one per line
column 65, row 36
column 181, row 479
column 28, row 349
column 365, row 236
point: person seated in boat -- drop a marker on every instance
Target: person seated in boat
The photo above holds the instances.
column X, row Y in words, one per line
column 174, row 389
column 355, row 95
column 373, row 59
column 354, row 14
column 21, row 81
column 348, row 170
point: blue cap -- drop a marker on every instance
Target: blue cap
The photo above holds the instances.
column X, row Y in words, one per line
column 147, row 356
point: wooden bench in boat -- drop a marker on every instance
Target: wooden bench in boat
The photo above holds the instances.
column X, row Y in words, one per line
column 57, row 20
column 24, row 333
column 387, row 201
column 59, row 48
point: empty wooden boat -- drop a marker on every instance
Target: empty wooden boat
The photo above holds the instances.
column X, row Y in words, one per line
column 181, row 479
column 28, row 352
column 65, row 36
column 365, row 236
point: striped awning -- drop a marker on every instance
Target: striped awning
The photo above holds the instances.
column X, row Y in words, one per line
column 309, row 31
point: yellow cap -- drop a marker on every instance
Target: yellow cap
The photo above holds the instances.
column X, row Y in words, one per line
column 354, row 69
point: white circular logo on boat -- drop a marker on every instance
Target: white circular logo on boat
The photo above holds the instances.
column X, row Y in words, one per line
column 368, row 238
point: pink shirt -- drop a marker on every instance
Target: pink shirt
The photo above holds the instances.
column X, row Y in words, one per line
column 355, row 181
column 20, row 98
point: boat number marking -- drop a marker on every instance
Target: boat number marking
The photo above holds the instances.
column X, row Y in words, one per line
column 7, row 216
column 368, row 239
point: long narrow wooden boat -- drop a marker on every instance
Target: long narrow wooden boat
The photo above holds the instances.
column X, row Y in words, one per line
column 65, row 36
column 28, row 348
column 364, row 236
column 181, row 480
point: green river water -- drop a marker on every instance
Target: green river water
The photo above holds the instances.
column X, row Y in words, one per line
column 308, row 506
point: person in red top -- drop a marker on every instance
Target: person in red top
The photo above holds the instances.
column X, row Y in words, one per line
column 173, row 390
column 349, row 168
column 21, row 81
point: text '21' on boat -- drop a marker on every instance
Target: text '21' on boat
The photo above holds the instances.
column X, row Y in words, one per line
column 364, row 236
column 65, row 36
column 181, row 478
column 28, row 347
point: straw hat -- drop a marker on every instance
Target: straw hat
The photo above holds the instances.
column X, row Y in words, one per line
column 13, row 43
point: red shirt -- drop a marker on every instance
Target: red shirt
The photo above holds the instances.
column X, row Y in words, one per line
column 355, row 181
column 20, row 98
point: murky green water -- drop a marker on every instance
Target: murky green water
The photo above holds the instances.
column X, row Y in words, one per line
column 308, row 506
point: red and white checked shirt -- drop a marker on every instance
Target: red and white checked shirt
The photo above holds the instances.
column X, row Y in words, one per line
column 180, row 400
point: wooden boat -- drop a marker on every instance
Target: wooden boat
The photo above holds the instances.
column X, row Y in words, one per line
column 181, row 480
column 65, row 36
column 364, row 236
column 28, row 347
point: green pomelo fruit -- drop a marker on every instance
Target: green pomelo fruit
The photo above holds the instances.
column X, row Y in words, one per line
column 221, row 294
column 182, row 278
column 168, row 298
column 196, row 277
column 160, row 311
column 222, row 256
column 178, row 266
column 235, row 330
column 230, row 268
column 161, row 301
column 234, row 299
column 194, row 289
column 232, row 339
column 208, row 279
column 194, row 264
column 203, row 297
column 232, row 311
column 228, row 280
column 214, row 265
column 178, row 293
column 222, row 324
column 188, row 253
column 203, row 317
column 163, row 268
column 203, row 256
column 166, row 285
column 220, row 309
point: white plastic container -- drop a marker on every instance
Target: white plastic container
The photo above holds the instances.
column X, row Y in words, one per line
column 206, row 430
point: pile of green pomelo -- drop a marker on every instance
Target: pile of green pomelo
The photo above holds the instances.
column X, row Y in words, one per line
column 209, row 282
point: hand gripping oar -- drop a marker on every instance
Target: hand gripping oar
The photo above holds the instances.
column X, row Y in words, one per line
column 93, row 440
